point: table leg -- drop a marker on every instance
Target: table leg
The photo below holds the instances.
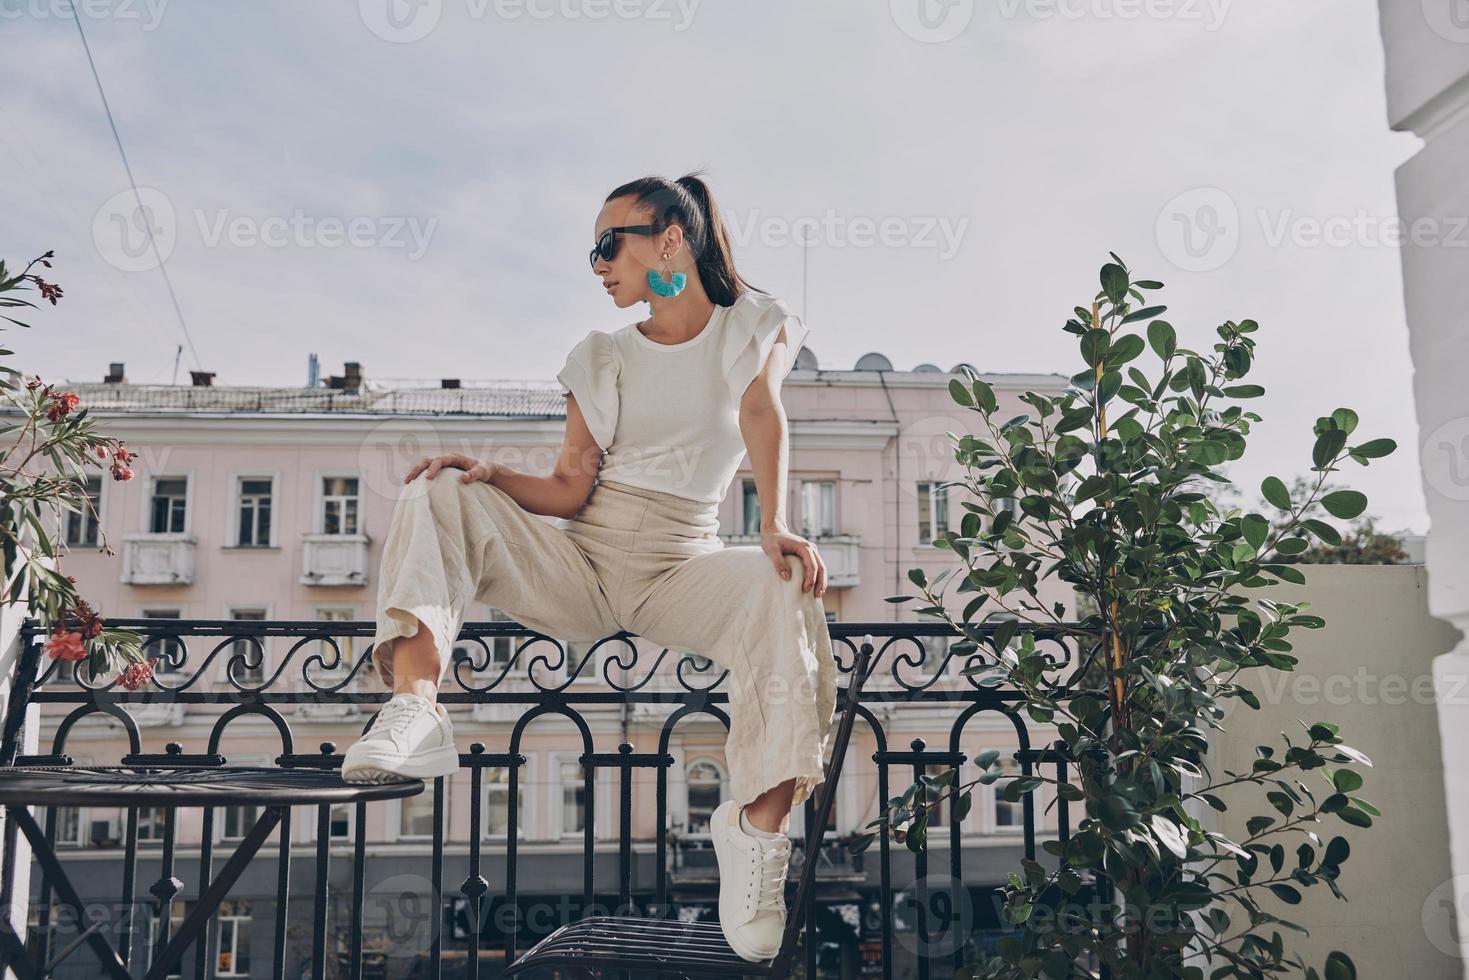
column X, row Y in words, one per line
column 41, row 850
column 219, row 888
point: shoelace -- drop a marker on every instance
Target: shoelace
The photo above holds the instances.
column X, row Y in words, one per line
column 396, row 716
column 775, row 858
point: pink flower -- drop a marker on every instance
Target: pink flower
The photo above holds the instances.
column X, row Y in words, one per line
column 61, row 405
column 135, row 675
column 121, row 472
column 66, row 646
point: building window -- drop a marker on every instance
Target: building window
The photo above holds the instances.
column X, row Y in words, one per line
column 339, row 502
column 339, row 823
column 933, row 511
column 818, row 508
column 238, row 820
column 255, row 499
column 1008, row 817
column 750, row 504
column 233, row 959
column 573, row 796
column 497, row 803
column 499, row 648
column 706, row 791
column 169, row 504
column 169, row 650
column 69, row 827
column 246, row 653
column 81, row 528
column 938, row 814
column 416, row 816
column 324, row 650
column 150, row 824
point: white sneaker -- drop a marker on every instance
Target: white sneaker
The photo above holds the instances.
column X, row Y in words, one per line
column 752, row 877
column 409, row 738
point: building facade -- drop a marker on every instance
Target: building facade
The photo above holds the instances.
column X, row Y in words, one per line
column 270, row 505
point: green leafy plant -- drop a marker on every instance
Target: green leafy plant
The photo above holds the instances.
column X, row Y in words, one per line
column 1112, row 481
column 44, row 426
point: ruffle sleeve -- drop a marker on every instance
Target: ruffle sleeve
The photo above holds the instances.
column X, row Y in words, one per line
column 755, row 323
column 590, row 374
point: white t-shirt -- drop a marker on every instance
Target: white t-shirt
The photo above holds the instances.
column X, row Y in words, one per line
column 667, row 415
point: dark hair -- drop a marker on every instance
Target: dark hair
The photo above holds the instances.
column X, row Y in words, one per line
column 686, row 202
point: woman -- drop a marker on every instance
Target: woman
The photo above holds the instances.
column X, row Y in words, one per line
column 659, row 415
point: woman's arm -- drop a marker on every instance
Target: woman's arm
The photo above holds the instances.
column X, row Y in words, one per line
column 564, row 492
column 764, row 426
column 561, row 494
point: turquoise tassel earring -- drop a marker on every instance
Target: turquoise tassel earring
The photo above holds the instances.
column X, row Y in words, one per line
column 672, row 287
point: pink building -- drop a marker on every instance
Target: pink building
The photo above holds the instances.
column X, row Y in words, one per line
column 271, row 503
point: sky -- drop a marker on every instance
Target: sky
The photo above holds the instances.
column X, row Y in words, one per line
column 412, row 184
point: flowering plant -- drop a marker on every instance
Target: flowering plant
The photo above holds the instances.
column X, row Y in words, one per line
column 50, row 426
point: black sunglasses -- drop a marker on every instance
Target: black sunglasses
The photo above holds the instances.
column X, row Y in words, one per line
column 606, row 246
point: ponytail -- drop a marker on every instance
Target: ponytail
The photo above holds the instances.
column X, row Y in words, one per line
column 687, row 203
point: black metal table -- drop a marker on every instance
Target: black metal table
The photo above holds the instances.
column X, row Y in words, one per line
column 275, row 791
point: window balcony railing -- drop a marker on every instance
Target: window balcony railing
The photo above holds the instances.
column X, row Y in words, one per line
column 158, row 559
column 841, row 553
column 437, row 887
column 334, row 559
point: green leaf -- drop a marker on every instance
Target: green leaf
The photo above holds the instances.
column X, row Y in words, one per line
column 1339, row 966
column 1162, row 338
column 1286, row 894
column 1146, row 313
column 1275, row 493
column 1244, row 391
column 1375, row 448
column 1114, row 283
column 1344, row 504
column 1255, row 530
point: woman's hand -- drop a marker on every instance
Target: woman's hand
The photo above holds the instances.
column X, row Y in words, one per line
column 778, row 542
column 474, row 470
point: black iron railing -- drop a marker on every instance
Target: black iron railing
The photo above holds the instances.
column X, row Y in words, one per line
column 217, row 668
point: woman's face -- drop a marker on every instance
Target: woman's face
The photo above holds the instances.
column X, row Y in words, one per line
column 625, row 276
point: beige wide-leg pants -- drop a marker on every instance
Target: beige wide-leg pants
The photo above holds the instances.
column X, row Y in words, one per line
column 641, row 560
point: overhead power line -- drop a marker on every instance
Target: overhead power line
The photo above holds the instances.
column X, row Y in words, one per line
column 127, row 167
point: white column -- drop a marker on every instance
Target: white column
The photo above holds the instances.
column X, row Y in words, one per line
column 1427, row 46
